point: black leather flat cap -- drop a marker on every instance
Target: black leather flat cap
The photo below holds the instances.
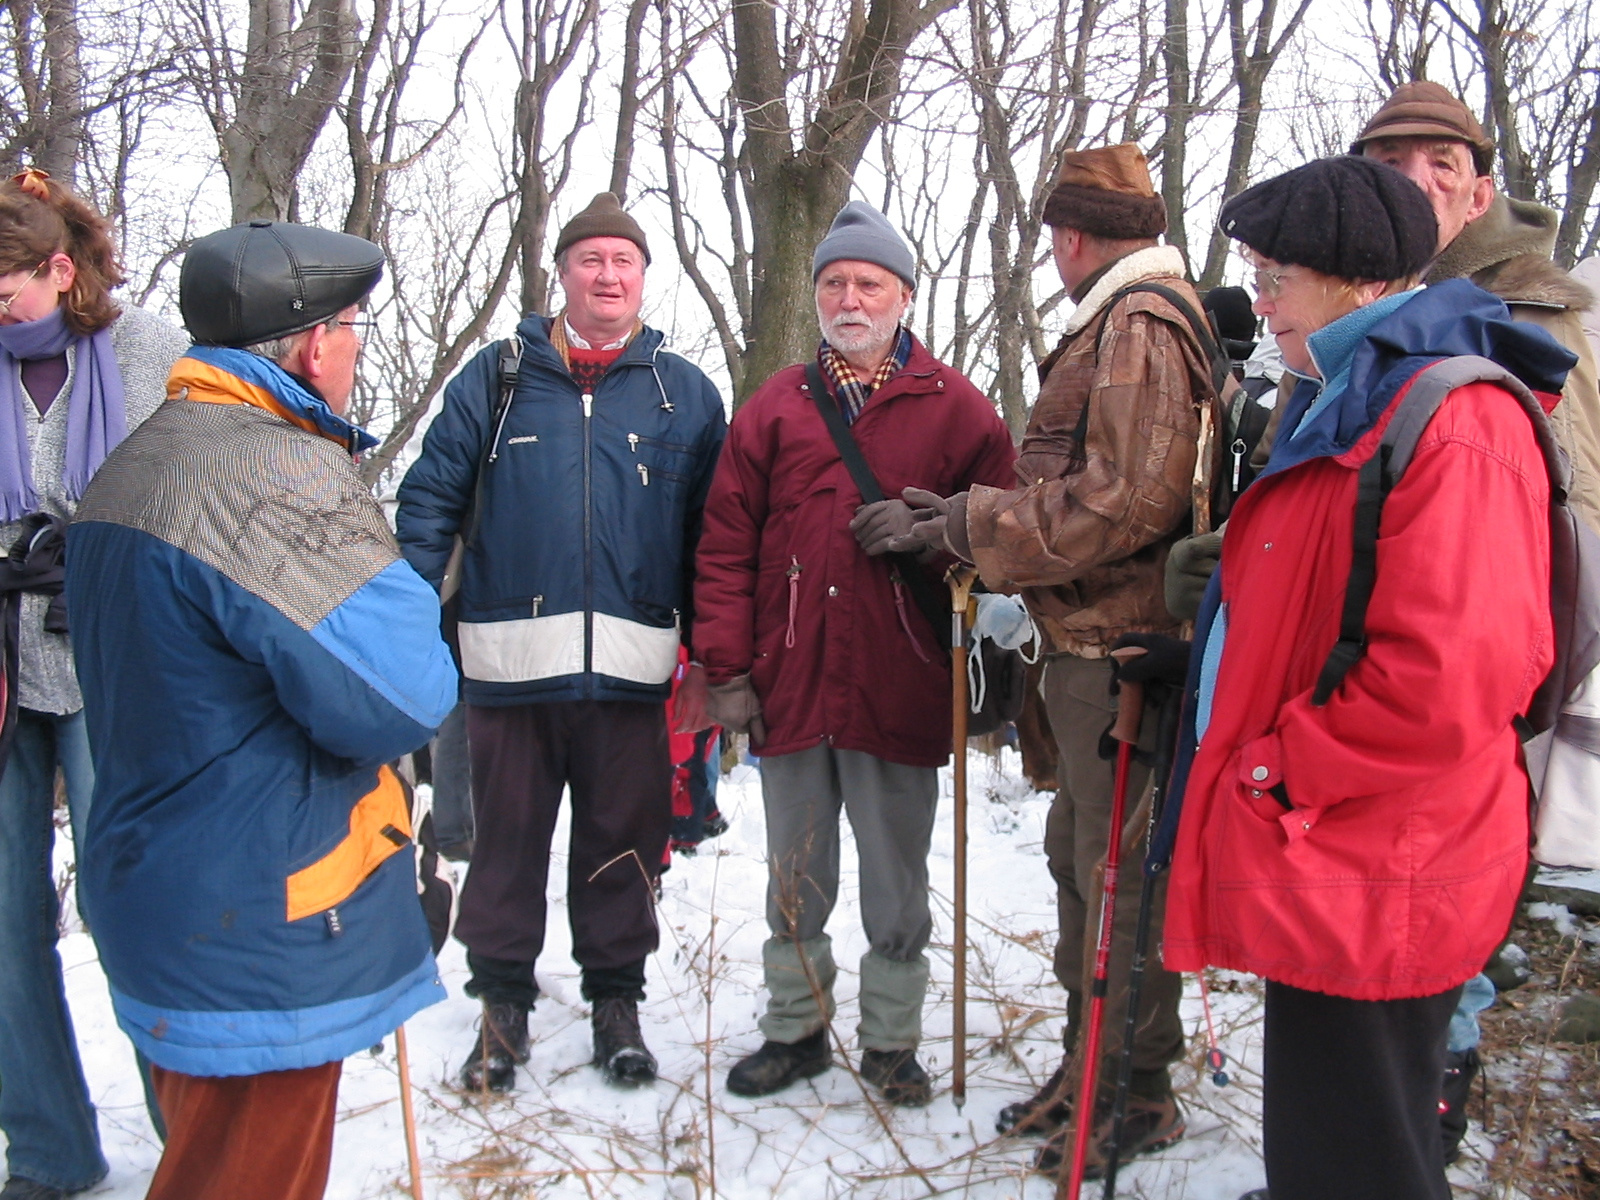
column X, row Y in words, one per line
column 268, row 279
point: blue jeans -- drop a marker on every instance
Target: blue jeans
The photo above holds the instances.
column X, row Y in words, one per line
column 44, row 1101
column 1476, row 996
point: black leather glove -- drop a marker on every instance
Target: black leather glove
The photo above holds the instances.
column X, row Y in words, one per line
column 877, row 525
column 1165, row 659
column 1190, row 565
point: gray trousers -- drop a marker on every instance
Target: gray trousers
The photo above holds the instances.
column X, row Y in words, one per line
column 891, row 810
column 1077, row 695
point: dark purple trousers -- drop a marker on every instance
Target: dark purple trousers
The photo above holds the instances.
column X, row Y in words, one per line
column 613, row 755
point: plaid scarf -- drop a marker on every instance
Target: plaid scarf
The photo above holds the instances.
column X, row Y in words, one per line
column 853, row 393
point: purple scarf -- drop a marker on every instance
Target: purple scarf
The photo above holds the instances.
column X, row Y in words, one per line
column 97, row 415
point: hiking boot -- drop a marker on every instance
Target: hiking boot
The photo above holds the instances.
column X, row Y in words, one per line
column 1046, row 1111
column 501, row 1046
column 619, row 1049
column 1150, row 1125
column 18, row 1188
column 1460, row 1069
column 898, row 1075
column 778, row 1064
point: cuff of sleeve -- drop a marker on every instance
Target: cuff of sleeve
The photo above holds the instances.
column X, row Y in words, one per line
column 956, row 538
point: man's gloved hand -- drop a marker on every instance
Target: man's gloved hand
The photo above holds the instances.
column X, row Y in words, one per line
column 941, row 524
column 1165, row 659
column 735, row 706
column 689, row 705
column 877, row 525
column 1190, row 565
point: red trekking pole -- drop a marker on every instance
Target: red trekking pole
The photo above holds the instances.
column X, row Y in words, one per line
column 1130, row 706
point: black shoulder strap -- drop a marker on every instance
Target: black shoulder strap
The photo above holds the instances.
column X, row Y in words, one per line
column 910, row 570
column 510, row 363
column 1205, row 339
column 1383, row 470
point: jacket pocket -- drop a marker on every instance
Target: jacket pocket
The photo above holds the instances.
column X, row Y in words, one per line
column 380, row 825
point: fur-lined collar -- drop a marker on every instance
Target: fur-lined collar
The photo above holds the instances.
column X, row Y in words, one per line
column 1507, row 251
column 1149, row 263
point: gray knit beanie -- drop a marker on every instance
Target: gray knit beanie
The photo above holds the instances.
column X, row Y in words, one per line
column 863, row 233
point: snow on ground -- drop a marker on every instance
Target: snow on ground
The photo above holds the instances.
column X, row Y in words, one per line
column 564, row 1133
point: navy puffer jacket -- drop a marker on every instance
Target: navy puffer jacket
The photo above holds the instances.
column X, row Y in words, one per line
column 576, row 582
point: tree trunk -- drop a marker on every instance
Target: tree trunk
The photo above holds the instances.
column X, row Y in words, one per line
column 290, row 80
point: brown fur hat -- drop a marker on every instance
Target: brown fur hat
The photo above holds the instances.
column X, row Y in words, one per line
column 1106, row 192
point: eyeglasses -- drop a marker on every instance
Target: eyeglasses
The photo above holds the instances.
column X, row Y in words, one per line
column 362, row 325
column 1269, row 281
column 5, row 305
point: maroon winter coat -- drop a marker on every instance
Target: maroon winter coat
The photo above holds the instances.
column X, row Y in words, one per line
column 837, row 651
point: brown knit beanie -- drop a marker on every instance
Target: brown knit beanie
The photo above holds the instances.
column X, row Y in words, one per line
column 1427, row 110
column 603, row 218
column 1106, row 193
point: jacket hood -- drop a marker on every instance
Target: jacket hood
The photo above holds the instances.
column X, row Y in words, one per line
column 1443, row 321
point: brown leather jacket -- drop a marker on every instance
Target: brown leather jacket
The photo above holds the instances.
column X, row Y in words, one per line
column 1086, row 536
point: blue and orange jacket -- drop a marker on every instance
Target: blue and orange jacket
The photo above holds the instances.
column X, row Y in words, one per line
column 252, row 650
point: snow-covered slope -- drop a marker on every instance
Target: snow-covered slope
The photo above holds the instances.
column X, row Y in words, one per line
column 564, row 1133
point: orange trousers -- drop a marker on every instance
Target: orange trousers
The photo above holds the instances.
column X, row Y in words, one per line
column 246, row 1137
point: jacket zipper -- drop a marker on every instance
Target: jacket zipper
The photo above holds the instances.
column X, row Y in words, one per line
column 794, row 598
column 588, row 548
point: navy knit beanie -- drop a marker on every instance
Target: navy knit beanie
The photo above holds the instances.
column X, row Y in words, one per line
column 863, row 233
column 1352, row 218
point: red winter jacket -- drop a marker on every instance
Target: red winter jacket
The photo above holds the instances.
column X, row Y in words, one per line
column 783, row 591
column 1397, row 870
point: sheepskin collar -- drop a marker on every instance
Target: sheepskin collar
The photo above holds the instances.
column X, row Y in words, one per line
column 1149, row 263
column 1507, row 251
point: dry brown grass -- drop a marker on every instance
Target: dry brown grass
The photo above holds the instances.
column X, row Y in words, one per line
column 1543, row 1096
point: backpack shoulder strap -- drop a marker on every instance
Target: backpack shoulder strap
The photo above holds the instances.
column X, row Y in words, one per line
column 1383, row 470
column 509, row 364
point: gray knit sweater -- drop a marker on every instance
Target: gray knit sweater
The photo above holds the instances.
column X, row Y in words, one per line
column 146, row 347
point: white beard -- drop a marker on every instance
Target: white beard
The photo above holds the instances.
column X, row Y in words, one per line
column 852, row 333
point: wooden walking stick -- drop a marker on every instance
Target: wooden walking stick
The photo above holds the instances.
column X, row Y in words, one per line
column 410, row 1117
column 960, row 578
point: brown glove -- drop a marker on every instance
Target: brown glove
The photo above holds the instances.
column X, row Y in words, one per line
column 876, row 525
column 735, row 706
column 941, row 525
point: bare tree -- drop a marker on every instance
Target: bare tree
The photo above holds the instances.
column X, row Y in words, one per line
column 268, row 103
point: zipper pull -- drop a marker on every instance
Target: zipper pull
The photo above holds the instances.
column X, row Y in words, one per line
column 537, row 600
column 588, row 405
column 1238, row 459
column 633, row 442
column 644, row 474
column 794, row 567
